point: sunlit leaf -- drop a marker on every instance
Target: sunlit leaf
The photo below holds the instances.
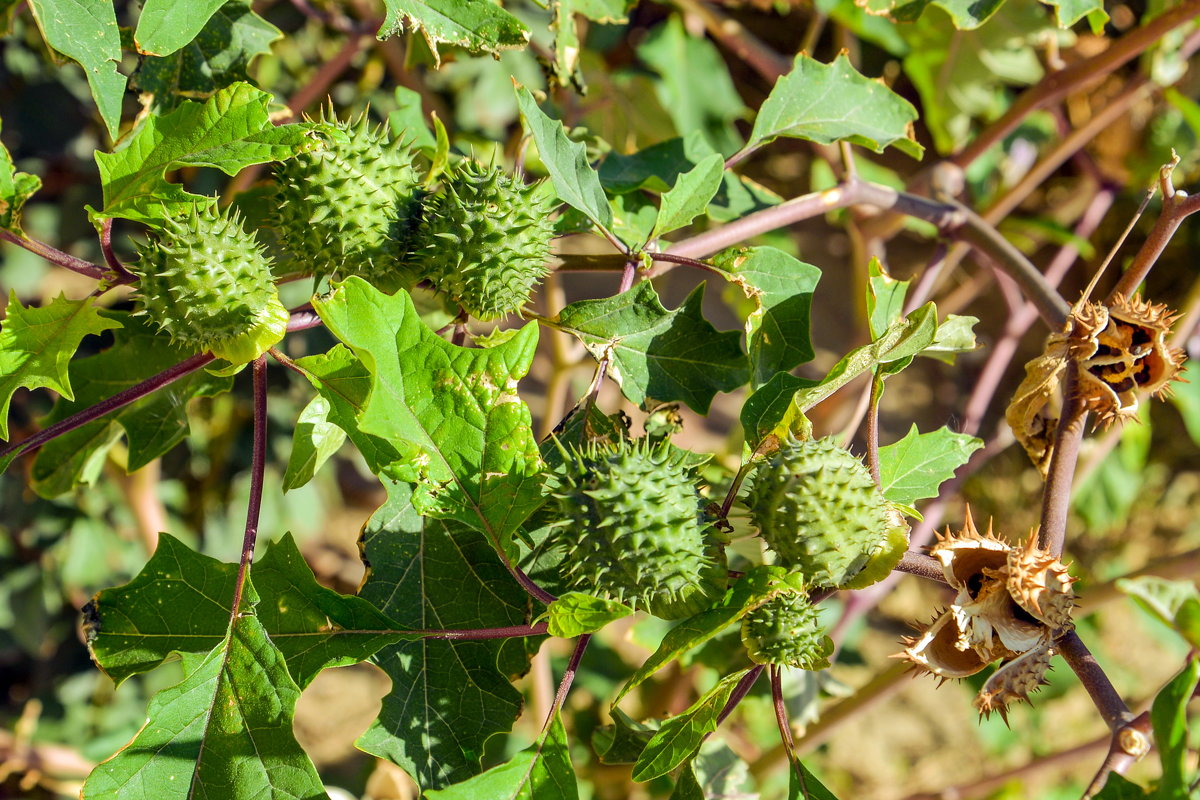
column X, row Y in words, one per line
column 316, row 439
column 1169, row 717
column 914, row 467
column 479, row 26
column 658, row 355
column 541, row 771
column 574, row 613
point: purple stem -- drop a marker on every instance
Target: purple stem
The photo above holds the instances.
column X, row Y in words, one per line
column 480, row 634
column 56, row 256
column 568, row 677
column 741, row 690
column 258, row 466
column 110, row 257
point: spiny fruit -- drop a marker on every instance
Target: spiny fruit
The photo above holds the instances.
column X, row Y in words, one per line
column 817, row 507
column 633, row 529
column 350, row 207
column 485, row 239
column 207, row 283
column 783, row 630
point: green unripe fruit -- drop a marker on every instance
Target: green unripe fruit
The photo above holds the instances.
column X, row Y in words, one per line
column 818, row 509
column 352, row 206
column 207, row 283
column 486, row 238
column 783, row 630
column 632, row 529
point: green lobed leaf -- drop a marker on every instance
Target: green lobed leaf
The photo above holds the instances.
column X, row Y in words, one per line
column 315, row 439
column 1176, row 603
column 86, row 31
column 541, row 771
column 691, row 633
column 769, row 410
column 479, row 26
column 447, row 697
column 1118, row 787
column 680, row 737
column 687, row 786
column 1169, row 717
column 216, row 57
column 312, row 626
column 778, row 331
column 803, row 785
column 15, row 189
column 152, row 425
column 229, row 131
column 576, row 183
column 345, row 383
column 1068, row 12
column 658, row 355
column 690, row 196
column 695, row 88
column 164, row 26
column 452, row 412
column 633, row 218
column 623, row 741
column 224, row 731
column 408, row 122
column 903, row 340
column 575, row 613
column 36, row 345
column 955, row 334
column 827, row 103
column 913, row 468
column 885, row 298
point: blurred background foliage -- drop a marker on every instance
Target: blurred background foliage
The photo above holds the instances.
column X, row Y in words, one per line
column 868, row 731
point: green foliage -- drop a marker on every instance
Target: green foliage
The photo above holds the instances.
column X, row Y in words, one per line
column 827, row 103
column 228, row 131
column 658, row 356
column 525, row 504
column 36, row 345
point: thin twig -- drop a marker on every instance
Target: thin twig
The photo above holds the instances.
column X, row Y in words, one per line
column 1110, row 705
column 740, row 691
column 485, row 634
column 873, row 428
column 1056, row 497
column 568, row 677
column 56, row 256
column 123, row 275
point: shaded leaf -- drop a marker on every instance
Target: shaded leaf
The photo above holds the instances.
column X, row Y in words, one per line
column 15, row 189
column 1169, row 717
column 658, row 355
column 575, row 613
column 827, row 103
column 452, row 412
column 315, row 439
column 541, row 771
column 86, row 31
column 164, row 26
column 566, row 31
column 152, row 425
column 955, row 334
column 1118, row 787
column 408, row 122
column 695, row 631
column 680, row 737
column 1176, row 603
column 345, row 383
column 623, row 741
column 1186, row 398
column 778, row 332
column 576, row 183
column 447, row 697
column 216, row 57
column 36, row 345
column 312, row 626
column 885, row 298
column 690, row 196
column 914, row 467
column 225, row 731
column 695, row 88
column 803, row 785
column 229, row 131
column 1068, row 12
column 479, row 26
column 769, row 409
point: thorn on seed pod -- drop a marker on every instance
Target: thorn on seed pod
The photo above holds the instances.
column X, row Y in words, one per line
column 1013, row 602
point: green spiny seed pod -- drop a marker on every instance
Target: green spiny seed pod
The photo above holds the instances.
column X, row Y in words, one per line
column 783, row 630
column 206, row 281
column 486, row 238
column 633, row 529
column 351, row 206
column 818, row 509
